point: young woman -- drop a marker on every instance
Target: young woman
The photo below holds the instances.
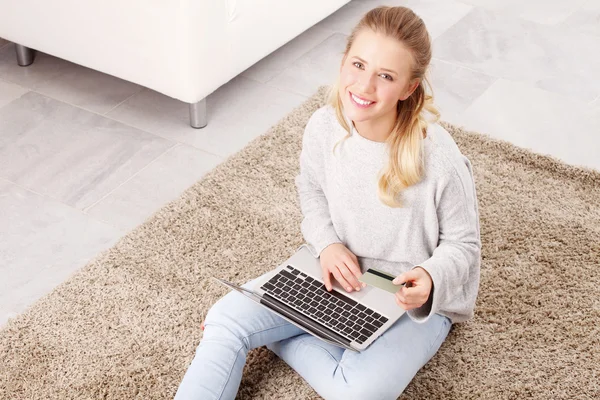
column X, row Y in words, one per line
column 379, row 186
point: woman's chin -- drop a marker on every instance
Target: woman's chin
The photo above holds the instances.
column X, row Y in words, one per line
column 359, row 115
column 356, row 114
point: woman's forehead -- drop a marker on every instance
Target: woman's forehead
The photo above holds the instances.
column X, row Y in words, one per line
column 380, row 51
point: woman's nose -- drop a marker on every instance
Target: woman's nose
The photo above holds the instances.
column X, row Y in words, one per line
column 367, row 84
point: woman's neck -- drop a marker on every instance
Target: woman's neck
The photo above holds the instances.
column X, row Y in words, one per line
column 376, row 130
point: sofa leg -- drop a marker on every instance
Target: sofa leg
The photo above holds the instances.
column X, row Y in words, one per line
column 24, row 55
column 198, row 114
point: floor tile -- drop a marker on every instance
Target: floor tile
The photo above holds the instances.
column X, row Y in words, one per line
column 88, row 89
column 42, row 242
column 455, row 88
column 539, row 120
column 318, row 67
column 586, row 19
column 66, row 81
column 160, row 182
column 344, row 19
column 548, row 12
column 9, row 92
column 560, row 61
column 67, row 153
column 44, row 68
column 237, row 112
column 437, row 16
column 596, row 103
column 282, row 58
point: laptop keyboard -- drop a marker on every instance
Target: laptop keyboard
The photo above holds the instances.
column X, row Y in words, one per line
column 339, row 313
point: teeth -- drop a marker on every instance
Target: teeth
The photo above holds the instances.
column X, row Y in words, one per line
column 359, row 101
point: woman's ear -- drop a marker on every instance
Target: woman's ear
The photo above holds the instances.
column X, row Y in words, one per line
column 410, row 90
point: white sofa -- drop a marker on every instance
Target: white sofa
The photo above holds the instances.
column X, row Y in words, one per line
column 185, row 49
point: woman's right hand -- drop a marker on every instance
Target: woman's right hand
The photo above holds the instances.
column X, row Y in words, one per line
column 340, row 262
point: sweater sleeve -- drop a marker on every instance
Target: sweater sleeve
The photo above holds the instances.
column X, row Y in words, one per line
column 454, row 264
column 317, row 227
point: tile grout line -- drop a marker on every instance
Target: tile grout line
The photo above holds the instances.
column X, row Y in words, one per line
column 142, row 88
column 333, row 33
column 176, row 144
column 87, row 109
column 562, row 23
column 175, row 141
column 293, row 91
column 52, row 198
column 270, row 85
column 467, row 68
column 305, row 53
column 470, row 9
column 86, row 209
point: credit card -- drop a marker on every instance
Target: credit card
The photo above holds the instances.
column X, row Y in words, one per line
column 380, row 279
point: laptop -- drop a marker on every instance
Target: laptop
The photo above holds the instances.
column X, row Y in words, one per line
column 352, row 320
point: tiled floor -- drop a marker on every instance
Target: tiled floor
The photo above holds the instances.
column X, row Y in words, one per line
column 85, row 157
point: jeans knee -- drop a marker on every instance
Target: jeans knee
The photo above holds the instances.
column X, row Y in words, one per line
column 359, row 388
column 223, row 320
column 365, row 391
column 224, row 309
column 222, row 334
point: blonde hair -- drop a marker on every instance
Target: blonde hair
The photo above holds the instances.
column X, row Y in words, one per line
column 405, row 142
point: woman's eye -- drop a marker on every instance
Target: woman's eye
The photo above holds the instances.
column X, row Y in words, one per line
column 359, row 65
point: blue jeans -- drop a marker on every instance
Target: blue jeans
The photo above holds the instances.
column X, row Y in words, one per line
column 235, row 324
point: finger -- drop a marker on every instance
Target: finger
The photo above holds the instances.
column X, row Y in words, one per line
column 408, row 297
column 405, row 277
column 356, row 266
column 340, row 278
column 327, row 279
column 202, row 325
column 357, row 271
column 352, row 265
column 401, row 297
column 400, row 279
column 350, row 277
column 405, row 305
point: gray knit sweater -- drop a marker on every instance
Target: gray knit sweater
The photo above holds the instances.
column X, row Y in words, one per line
column 437, row 228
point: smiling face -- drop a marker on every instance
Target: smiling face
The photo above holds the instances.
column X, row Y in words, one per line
column 374, row 75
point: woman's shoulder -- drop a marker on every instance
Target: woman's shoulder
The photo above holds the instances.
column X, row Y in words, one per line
column 323, row 124
column 323, row 116
column 442, row 152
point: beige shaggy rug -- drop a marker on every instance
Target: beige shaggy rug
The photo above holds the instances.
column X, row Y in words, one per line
column 126, row 326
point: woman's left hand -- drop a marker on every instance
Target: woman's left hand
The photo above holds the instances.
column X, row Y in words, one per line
column 416, row 291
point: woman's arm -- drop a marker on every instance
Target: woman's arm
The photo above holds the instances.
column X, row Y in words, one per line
column 454, row 264
column 316, row 227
